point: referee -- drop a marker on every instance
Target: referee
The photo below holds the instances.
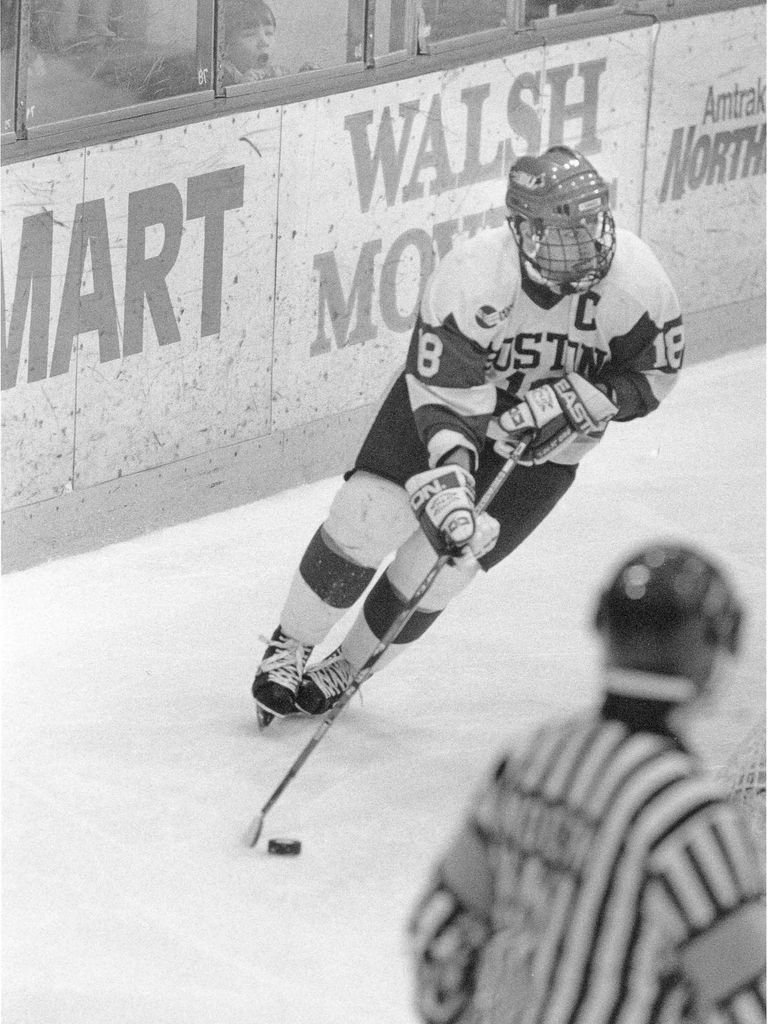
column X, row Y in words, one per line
column 600, row 876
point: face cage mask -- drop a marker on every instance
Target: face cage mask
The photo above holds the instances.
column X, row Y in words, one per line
column 566, row 259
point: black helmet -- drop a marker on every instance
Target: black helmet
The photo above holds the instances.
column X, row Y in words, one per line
column 664, row 587
column 559, row 211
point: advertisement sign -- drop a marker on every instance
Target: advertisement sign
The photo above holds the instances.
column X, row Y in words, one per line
column 704, row 213
column 160, row 280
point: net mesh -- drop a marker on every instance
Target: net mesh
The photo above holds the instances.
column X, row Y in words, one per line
column 744, row 775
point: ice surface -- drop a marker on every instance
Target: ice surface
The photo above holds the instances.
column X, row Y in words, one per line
column 132, row 764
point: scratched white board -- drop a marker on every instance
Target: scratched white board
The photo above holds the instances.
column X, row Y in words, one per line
column 357, row 234
column 39, row 200
column 705, row 198
column 191, row 219
column 375, row 182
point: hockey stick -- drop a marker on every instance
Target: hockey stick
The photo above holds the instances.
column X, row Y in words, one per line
column 366, row 669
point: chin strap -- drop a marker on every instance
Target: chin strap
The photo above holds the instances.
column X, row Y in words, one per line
column 650, row 685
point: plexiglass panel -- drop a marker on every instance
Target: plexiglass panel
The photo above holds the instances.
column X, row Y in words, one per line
column 553, row 8
column 8, row 21
column 448, row 19
column 260, row 41
column 90, row 56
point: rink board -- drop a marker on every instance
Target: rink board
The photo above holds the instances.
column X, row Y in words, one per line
column 225, row 301
column 161, row 300
column 38, row 418
column 705, row 209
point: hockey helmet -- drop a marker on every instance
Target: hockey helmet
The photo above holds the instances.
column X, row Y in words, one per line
column 559, row 211
column 664, row 587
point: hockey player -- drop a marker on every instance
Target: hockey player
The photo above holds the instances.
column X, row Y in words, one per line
column 549, row 326
column 600, row 875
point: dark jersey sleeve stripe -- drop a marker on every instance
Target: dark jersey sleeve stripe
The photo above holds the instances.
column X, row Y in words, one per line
column 635, row 348
column 453, row 360
column 632, row 355
column 633, row 394
column 441, row 357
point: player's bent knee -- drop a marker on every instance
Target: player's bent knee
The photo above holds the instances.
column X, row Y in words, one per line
column 369, row 518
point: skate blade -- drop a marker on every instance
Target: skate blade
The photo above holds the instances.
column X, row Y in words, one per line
column 263, row 718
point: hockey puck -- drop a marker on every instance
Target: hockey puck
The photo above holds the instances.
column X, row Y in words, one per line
column 285, row 847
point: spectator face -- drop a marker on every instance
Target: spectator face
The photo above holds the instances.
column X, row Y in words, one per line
column 252, row 49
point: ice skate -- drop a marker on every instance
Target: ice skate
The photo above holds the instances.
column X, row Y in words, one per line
column 278, row 677
column 323, row 684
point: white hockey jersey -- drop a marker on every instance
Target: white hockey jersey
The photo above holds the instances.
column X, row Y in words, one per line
column 486, row 334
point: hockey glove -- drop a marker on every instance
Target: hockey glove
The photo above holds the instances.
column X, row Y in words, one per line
column 555, row 414
column 443, row 500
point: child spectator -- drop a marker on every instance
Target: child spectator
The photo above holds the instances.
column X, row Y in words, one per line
column 249, row 35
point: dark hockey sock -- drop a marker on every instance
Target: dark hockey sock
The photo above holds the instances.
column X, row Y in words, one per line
column 384, row 604
column 335, row 579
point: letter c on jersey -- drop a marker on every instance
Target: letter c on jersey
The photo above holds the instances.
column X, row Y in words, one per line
column 582, row 324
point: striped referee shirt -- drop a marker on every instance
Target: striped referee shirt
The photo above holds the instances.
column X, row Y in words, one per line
column 624, row 881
